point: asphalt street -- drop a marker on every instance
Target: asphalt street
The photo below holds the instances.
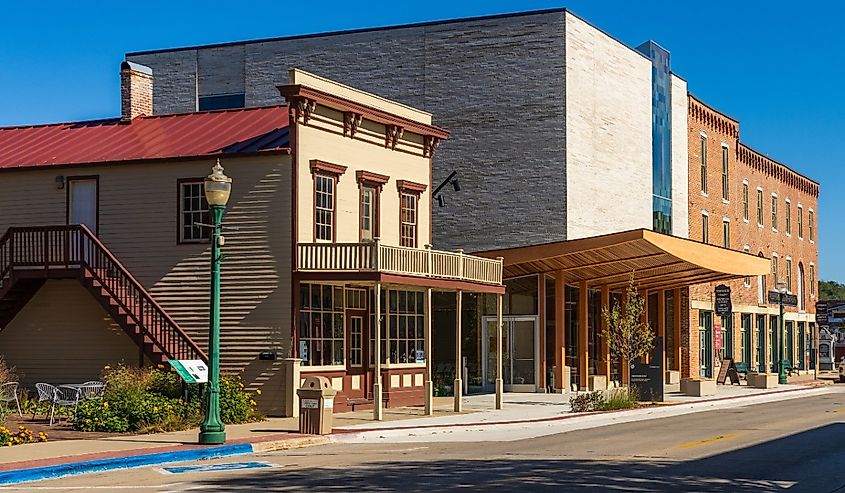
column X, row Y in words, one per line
column 792, row 445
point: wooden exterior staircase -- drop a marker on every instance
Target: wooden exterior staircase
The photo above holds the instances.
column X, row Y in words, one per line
column 29, row 256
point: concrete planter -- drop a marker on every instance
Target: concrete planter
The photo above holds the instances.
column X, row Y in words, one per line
column 698, row 388
column 762, row 380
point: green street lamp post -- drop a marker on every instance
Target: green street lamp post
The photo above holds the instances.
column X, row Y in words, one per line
column 217, row 189
column 782, row 289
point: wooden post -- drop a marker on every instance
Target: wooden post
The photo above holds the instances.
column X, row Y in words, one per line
column 500, row 387
column 458, row 370
column 605, row 347
column 623, row 362
column 560, row 328
column 676, row 347
column 661, row 325
column 583, row 342
column 429, row 390
column 377, row 409
column 541, row 308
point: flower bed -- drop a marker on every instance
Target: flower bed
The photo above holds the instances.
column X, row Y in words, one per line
column 20, row 437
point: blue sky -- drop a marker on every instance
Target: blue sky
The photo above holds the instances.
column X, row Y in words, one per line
column 776, row 67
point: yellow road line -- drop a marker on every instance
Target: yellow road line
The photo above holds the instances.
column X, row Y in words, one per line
column 708, row 441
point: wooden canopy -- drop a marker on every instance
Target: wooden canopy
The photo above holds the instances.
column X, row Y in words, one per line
column 658, row 261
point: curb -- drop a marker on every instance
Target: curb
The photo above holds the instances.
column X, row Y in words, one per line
column 142, row 460
column 345, row 431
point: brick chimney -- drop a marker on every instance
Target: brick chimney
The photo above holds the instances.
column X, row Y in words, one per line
column 136, row 91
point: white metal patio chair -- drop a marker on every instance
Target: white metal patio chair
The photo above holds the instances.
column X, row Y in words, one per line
column 9, row 393
column 91, row 390
column 65, row 396
column 46, row 393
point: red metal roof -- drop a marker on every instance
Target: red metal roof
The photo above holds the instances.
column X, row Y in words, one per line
column 247, row 130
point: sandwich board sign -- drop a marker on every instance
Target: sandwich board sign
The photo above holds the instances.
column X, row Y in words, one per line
column 191, row 370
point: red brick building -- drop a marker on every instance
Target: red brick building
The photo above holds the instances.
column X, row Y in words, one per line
column 742, row 200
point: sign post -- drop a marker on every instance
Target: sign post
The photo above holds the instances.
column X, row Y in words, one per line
column 782, row 298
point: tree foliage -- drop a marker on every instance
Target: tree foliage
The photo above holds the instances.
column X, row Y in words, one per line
column 627, row 334
column 831, row 290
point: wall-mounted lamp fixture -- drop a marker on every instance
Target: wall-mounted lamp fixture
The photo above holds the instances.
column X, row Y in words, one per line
column 451, row 179
column 60, row 182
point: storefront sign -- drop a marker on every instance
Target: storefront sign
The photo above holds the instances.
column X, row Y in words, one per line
column 788, row 299
column 647, row 378
column 191, row 370
column 420, row 356
column 821, row 313
column 717, row 337
column 722, row 304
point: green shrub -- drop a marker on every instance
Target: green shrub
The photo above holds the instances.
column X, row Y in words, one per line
column 622, row 398
column 150, row 400
column 586, row 402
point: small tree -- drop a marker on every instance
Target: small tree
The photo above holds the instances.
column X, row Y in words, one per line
column 628, row 336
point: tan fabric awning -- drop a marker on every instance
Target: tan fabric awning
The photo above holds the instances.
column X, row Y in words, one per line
column 658, row 261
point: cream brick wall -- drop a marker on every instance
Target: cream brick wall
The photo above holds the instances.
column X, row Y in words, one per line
column 680, row 159
column 608, row 134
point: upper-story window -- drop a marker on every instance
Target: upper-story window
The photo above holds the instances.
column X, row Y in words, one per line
column 775, row 270
column 324, row 207
column 774, row 212
column 725, row 182
column 789, row 274
column 193, row 211
column 788, row 217
column 812, row 280
column 703, row 164
column 370, row 185
column 326, row 178
column 726, row 233
column 800, row 222
column 409, row 198
column 810, row 218
column 760, row 207
column 745, row 201
column 705, row 226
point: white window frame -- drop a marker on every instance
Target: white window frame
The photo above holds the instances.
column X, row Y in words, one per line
column 787, row 226
column 811, row 224
column 726, row 183
column 788, row 278
column 404, row 225
column 760, row 211
column 745, row 201
column 705, row 227
column 703, row 143
column 321, row 230
column 747, row 280
column 774, row 212
column 199, row 234
column 726, row 228
column 812, row 283
column 800, row 221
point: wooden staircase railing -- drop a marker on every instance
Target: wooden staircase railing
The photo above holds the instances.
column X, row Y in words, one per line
column 73, row 251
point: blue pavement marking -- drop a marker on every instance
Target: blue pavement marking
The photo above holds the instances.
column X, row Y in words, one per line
column 60, row 470
column 231, row 466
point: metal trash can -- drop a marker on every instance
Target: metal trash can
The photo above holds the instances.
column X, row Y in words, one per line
column 316, row 405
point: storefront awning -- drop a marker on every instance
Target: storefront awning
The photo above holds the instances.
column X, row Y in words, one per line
column 658, row 261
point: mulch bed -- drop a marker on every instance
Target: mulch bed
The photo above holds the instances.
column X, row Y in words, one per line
column 61, row 430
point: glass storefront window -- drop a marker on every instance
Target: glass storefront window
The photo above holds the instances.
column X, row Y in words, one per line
column 321, row 325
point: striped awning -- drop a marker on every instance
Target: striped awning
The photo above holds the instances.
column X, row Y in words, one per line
column 657, row 261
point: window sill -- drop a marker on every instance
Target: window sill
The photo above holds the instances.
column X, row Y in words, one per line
column 759, row 225
column 774, row 230
column 726, row 201
column 704, row 194
column 745, row 221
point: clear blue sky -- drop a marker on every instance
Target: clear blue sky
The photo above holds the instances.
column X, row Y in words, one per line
column 778, row 68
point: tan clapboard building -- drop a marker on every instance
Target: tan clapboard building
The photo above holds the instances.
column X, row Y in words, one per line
column 329, row 223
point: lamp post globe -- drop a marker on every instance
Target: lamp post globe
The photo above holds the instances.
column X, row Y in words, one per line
column 218, row 187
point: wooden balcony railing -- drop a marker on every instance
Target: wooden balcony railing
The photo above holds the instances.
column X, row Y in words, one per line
column 375, row 257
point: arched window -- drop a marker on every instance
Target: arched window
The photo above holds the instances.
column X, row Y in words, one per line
column 801, row 293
